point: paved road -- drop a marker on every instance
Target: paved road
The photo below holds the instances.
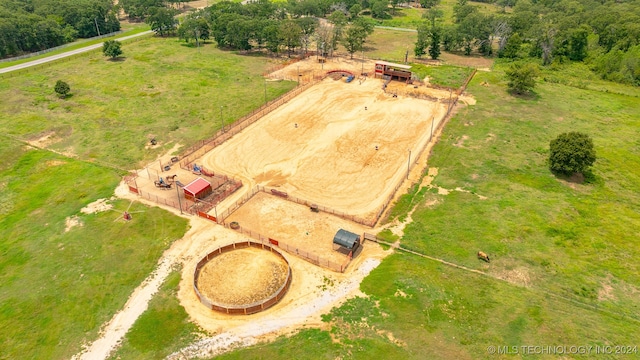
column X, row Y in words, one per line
column 396, row 28
column 65, row 54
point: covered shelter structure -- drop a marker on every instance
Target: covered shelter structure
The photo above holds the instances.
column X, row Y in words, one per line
column 346, row 240
column 393, row 70
column 197, row 189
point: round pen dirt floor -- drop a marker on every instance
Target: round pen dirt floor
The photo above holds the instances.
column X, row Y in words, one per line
column 242, row 277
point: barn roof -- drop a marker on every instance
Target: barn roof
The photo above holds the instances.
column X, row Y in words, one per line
column 346, row 239
column 196, row 186
column 401, row 66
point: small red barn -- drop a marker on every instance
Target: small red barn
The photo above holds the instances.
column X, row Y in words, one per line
column 399, row 71
column 197, row 189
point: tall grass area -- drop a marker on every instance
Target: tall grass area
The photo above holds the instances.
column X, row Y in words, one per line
column 160, row 88
column 563, row 269
column 162, row 329
column 444, row 75
column 58, row 287
column 408, row 18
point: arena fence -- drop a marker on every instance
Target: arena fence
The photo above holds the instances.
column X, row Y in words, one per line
column 246, row 309
column 202, row 147
column 223, row 186
column 197, row 150
column 294, row 250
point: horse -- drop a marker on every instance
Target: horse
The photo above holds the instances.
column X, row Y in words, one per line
column 483, row 256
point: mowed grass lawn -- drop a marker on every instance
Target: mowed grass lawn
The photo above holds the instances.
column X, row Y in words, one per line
column 567, row 252
column 160, row 87
column 58, row 287
column 389, row 45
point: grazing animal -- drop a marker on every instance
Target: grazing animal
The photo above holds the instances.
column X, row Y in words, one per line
column 483, row 256
column 171, row 178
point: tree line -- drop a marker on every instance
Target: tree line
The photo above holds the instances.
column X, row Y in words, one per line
column 272, row 27
column 29, row 26
column 604, row 34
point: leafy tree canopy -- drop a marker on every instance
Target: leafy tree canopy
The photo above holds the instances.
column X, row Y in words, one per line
column 571, row 153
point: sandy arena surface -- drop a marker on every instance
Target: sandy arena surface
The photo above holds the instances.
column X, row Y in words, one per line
column 242, row 277
column 294, row 225
column 321, row 145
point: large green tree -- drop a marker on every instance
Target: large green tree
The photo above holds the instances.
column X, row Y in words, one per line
column 571, row 153
column 434, row 44
column 112, row 49
column 290, row 33
column 522, row 77
column 162, row 20
column 422, row 41
column 356, row 35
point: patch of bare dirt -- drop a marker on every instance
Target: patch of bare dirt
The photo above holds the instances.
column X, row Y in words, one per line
column 55, row 162
column 71, row 222
column 460, row 142
column 606, row 290
column 97, row 206
column 519, row 276
column 478, row 62
column 44, row 140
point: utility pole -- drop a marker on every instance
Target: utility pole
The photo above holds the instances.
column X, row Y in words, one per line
column 95, row 21
column 178, row 193
column 265, row 91
column 362, row 72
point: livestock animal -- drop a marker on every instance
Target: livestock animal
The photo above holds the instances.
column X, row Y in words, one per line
column 483, row 256
column 170, row 178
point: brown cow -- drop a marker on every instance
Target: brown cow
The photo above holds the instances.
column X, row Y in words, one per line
column 483, row 256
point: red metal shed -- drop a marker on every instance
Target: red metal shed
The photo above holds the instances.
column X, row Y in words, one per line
column 400, row 71
column 197, row 189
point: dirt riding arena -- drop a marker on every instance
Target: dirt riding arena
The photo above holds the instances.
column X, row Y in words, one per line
column 341, row 145
column 294, row 225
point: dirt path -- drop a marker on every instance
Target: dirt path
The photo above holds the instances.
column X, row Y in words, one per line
column 113, row 332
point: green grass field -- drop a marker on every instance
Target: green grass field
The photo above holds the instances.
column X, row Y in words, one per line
column 444, row 75
column 58, row 287
column 145, row 340
column 160, row 88
column 389, row 45
column 567, row 250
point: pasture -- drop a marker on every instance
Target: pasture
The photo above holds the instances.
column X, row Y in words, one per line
column 562, row 270
column 60, row 282
column 159, row 89
column 59, row 287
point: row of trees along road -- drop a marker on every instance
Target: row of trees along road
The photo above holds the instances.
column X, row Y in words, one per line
column 265, row 25
column 29, row 26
